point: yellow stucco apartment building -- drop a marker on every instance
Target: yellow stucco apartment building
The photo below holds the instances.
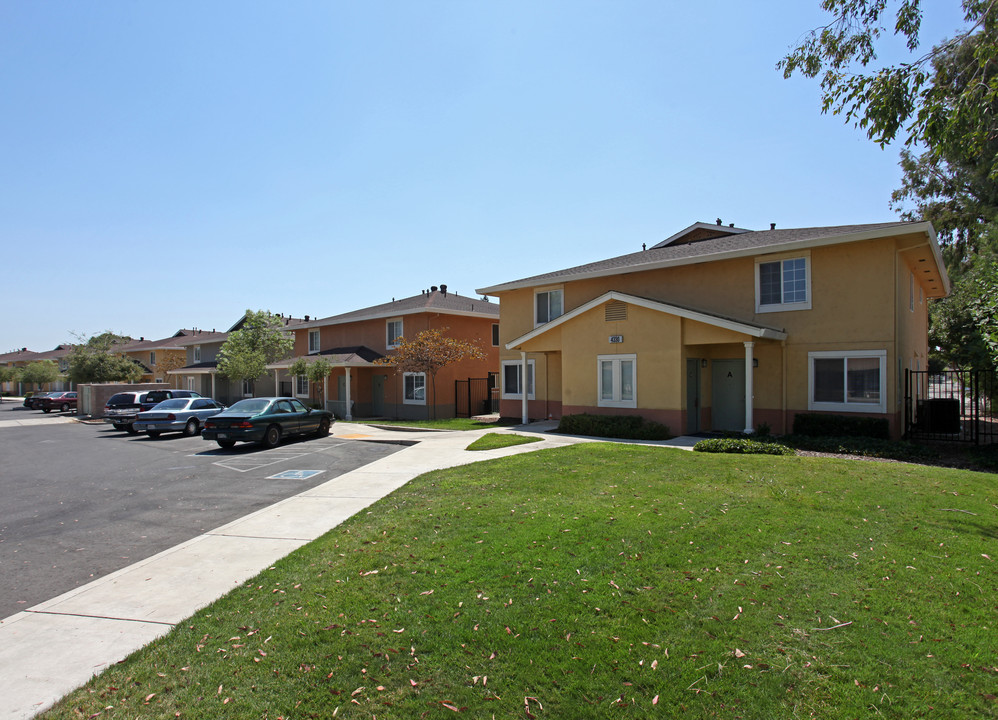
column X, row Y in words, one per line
column 721, row 328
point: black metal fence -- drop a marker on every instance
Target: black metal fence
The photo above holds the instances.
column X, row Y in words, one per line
column 951, row 406
column 476, row 396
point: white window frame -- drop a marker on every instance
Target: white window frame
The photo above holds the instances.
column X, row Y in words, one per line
column 192, row 383
column 152, row 358
column 846, row 406
column 301, row 381
column 313, row 347
column 248, row 388
column 197, row 353
column 560, row 289
column 388, row 332
column 531, row 380
column 616, row 392
column 413, row 401
column 782, row 306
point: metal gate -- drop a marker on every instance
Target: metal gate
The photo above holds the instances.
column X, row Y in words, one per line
column 476, row 396
column 951, row 406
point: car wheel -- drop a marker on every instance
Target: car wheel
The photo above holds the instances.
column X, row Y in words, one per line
column 153, row 433
column 117, row 426
column 226, row 443
column 64, row 407
column 191, row 428
column 130, row 429
column 46, row 410
column 323, row 430
column 272, row 437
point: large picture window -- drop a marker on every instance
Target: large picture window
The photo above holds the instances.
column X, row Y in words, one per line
column 548, row 305
column 783, row 284
column 301, row 385
column 852, row 381
column 616, row 381
column 512, row 380
column 414, row 391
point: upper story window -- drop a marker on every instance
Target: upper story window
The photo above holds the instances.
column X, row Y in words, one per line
column 495, row 334
column 548, row 305
column 152, row 357
column 783, row 284
column 394, row 333
column 197, row 353
column 313, row 341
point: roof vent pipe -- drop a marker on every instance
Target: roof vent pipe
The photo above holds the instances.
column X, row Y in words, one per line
column 719, row 221
column 443, row 289
column 731, row 225
column 306, row 318
column 772, row 226
column 433, row 288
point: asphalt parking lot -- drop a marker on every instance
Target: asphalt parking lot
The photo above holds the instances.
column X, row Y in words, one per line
column 81, row 501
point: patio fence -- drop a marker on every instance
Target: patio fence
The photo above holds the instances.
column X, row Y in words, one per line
column 951, row 406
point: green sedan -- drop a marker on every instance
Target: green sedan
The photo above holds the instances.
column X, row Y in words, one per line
column 266, row 421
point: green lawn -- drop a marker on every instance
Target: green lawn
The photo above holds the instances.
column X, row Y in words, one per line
column 606, row 580
column 495, row 441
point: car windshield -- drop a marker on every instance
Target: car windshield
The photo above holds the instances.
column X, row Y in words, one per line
column 122, row 399
column 172, row 404
column 250, row 405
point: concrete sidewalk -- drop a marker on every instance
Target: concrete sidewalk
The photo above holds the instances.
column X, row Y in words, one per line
column 56, row 646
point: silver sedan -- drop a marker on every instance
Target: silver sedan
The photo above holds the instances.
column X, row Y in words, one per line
column 185, row 415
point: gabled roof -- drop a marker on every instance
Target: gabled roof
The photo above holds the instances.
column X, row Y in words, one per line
column 354, row 356
column 22, row 355
column 700, row 231
column 435, row 300
column 741, row 244
column 202, row 337
column 721, row 321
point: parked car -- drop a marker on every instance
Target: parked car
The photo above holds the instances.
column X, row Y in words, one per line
column 61, row 401
column 122, row 408
column 265, row 420
column 179, row 414
column 34, row 401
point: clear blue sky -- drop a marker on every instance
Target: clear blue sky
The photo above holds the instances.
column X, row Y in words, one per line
column 170, row 164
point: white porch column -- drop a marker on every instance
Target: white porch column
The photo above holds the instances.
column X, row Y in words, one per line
column 277, row 383
column 523, row 387
column 347, row 414
column 748, row 387
column 213, row 386
column 325, row 391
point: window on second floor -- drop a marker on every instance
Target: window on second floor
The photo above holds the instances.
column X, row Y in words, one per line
column 495, row 334
column 313, row 341
column 548, row 305
column 152, row 358
column 783, row 284
column 394, row 332
column 197, row 353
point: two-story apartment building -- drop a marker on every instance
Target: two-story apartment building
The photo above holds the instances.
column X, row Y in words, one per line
column 721, row 328
column 352, row 342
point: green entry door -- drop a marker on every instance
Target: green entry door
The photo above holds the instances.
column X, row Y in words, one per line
column 728, row 394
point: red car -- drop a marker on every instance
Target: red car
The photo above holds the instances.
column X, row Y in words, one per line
column 61, row 401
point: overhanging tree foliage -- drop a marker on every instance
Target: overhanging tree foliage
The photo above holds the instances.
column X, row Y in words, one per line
column 261, row 340
column 427, row 353
column 905, row 99
column 95, row 360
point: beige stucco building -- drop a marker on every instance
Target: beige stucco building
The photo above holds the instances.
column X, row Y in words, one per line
column 720, row 328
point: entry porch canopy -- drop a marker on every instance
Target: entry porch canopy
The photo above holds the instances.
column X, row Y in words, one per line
column 346, row 357
column 752, row 331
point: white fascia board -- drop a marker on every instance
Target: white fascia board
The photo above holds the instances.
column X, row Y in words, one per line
column 715, row 257
column 701, row 226
column 752, row 330
column 327, row 322
column 938, row 255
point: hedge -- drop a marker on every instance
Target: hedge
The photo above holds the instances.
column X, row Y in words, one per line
column 816, row 425
column 629, row 427
column 742, row 445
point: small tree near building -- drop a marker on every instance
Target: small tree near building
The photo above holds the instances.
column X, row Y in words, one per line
column 427, row 353
column 261, row 340
column 95, row 360
column 315, row 371
column 40, row 372
column 166, row 363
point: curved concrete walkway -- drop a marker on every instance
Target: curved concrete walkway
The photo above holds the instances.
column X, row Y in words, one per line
column 56, row 646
